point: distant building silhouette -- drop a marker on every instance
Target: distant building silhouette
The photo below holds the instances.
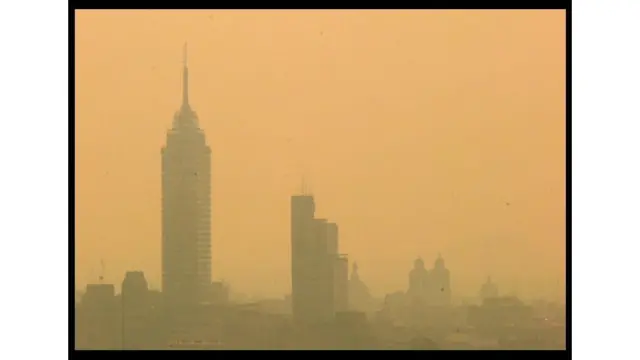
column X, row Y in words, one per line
column 340, row 269
column 97, row 322
column 136, row 311
column 302, row 249
column 359, row 296
column 429, row 287
column 489, row 290
column 332, row 238
column 439, row 284
column 418, row 282
column 135, row 291
column 186, row 209
column 500, row 315
column 319, row 273
column 322, row 267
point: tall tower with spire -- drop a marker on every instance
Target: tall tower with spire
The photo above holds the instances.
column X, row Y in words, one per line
column 186, row 207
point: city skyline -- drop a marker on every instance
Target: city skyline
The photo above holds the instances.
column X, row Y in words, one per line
column 508, row 228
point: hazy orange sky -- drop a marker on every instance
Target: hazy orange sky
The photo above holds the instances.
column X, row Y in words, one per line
column 414, row 129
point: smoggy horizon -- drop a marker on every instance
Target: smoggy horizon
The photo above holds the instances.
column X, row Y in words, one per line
column 418, row 132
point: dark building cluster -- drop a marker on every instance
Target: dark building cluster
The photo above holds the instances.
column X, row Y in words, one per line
column 327, row 308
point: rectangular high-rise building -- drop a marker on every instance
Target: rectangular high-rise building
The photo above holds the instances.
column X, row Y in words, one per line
column 340, row 277
column 324, row 270
column 332, row 238
column 302, row 221
column 311, row 264
column 186, row 209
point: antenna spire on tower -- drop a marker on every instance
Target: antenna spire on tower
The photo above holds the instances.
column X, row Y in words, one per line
column 184, row 55
column 185, row 77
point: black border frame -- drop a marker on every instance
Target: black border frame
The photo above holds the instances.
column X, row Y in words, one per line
column 469, row 4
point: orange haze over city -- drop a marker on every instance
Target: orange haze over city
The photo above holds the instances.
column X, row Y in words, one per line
column 417, row 132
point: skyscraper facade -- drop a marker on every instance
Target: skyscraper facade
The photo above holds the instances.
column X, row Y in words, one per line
column 186, row 208
column 311, row 264
column 332, row 238
column 319, row 273
column 302, row 220
column 340, row 270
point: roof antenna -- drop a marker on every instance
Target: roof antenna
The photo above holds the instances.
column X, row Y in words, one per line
column 306, row 188
column 185, row 77
column 184, row 55
column 101, row 277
